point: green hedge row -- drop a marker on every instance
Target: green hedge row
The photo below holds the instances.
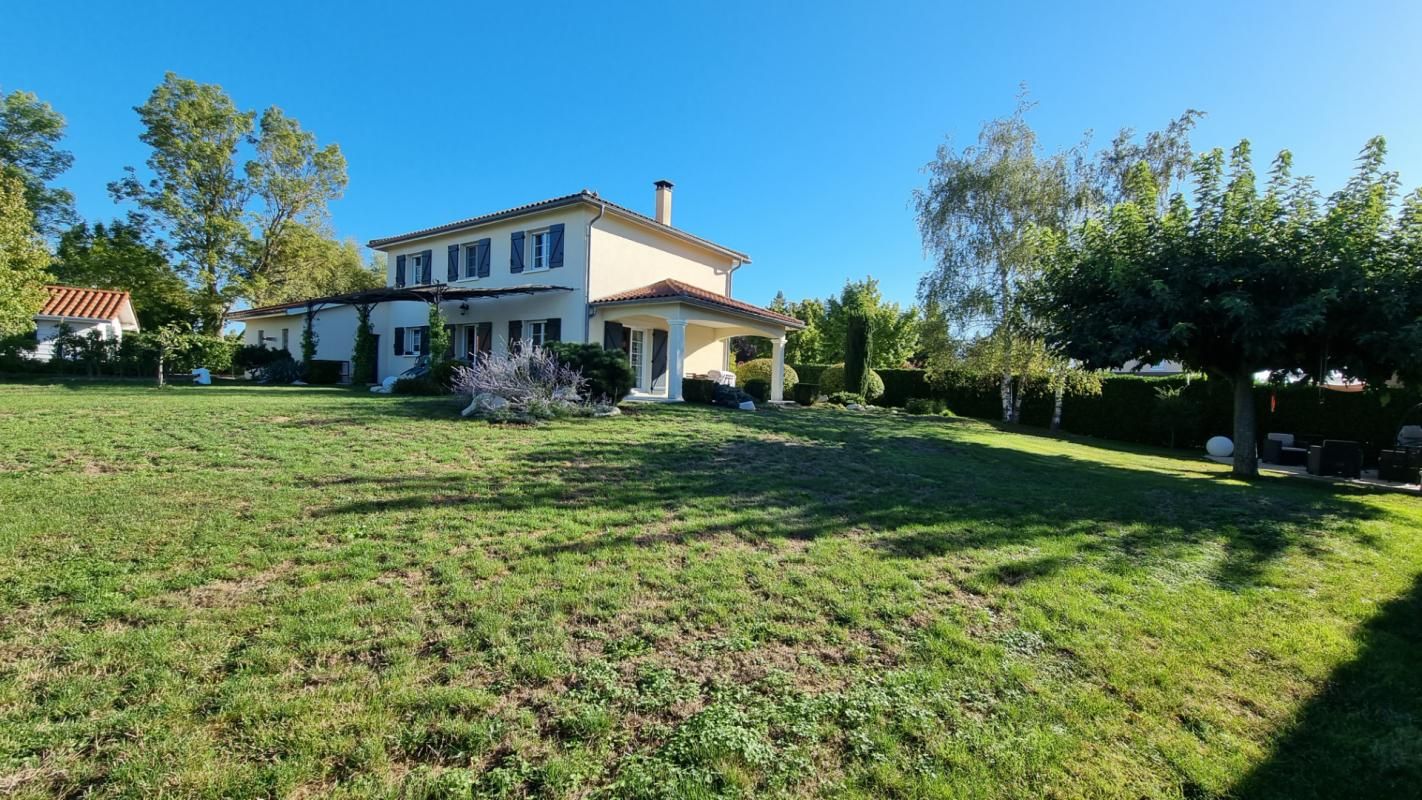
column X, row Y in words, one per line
column 1129, row 407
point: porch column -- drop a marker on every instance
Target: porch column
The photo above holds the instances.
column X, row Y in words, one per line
column 777, row 370
column 676, row 357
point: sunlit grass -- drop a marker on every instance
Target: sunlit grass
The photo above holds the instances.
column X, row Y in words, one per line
column 243, row 591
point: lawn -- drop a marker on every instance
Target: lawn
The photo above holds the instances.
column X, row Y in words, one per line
column 262, row 592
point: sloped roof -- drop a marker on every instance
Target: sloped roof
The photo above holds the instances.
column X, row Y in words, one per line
column 672, row 289
column 432, row 293
column 583, row 196
column 72, row 301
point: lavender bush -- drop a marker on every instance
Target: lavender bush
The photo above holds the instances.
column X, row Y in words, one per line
column 527, row 382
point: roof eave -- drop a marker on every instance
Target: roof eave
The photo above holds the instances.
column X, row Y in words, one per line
column 707, row 304
column 583, row 198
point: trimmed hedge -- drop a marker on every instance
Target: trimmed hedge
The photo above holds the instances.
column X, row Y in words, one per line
column 324, row 372
column 832, row 382
column 698, row 390
column 761, row 369
column 810, row 373
column 805, row 393
column 759, row 389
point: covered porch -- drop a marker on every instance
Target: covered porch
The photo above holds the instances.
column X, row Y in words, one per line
column 671, row 331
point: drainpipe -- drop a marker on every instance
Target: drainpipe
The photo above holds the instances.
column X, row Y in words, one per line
column 587, row 273
column 731, row 274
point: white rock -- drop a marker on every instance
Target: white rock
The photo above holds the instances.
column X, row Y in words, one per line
column 854, row 407
column 484, row 402
column 611, row 412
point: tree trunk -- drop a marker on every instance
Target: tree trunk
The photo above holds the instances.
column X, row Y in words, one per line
column 1018, row 392
column 1057, row 408
column 1007, row 399
column 160, row 369
column 1246, row 465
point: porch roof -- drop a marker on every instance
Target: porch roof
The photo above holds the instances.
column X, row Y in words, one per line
column 435, row 293
column 675, row 290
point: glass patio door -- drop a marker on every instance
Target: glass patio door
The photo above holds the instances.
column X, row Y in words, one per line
column 636, row 350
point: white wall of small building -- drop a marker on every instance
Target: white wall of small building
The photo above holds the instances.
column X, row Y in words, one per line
column 47, row 329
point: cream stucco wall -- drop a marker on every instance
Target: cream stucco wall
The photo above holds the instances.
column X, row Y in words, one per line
column 626, row 255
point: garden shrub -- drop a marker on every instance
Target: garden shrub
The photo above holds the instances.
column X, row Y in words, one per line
column 845, row 398
column 758, row 388
column 324, row 372
column 729, row 396
column 806, row 393
column 900, row 385
column 761, row 369
column 255, row 356
column 832, row 381
column 281, row 370
column 607, row 372
column 923, row 405
column 442, row 374
column 698, row 390
column 424, row 385
column 528, row 382
column 810, row 373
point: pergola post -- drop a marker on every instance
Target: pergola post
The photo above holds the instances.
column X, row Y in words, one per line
column 777, row 369
column 676, row 357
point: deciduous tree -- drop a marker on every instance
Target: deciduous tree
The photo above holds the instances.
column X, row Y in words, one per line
column 22, row 260
column 30, row 132
column 121, row 255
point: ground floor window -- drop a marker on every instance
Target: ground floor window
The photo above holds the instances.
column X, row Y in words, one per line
column 535, row 331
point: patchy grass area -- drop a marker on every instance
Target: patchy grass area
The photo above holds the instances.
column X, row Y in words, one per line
column 269, row 592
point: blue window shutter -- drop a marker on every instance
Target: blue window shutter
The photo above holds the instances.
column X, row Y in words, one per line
column 399, row 272
column 427, row 259
column 424, row 340
column 399, row 336
column 515, row 334
column 553, row 331
column 555, row 246
column 453, row 263
column 484, row 245
column 516, row 252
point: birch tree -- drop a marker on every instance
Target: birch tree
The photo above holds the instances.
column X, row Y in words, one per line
column 980, row 217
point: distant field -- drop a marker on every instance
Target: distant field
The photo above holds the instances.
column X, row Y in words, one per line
column 273, row 592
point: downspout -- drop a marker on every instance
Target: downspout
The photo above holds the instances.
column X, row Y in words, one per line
column 731, row 273
column 587, row 273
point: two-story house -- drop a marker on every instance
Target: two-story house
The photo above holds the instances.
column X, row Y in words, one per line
column 574, row 268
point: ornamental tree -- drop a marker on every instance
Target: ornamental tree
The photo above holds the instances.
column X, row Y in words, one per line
column 1242, row 282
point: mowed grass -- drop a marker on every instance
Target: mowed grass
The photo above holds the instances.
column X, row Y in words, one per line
column 263, row 592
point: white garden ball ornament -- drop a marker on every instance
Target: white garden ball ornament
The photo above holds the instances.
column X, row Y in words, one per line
column 1219, row 446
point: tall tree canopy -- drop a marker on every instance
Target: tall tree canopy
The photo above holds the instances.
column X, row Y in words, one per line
column 985, row 215
column 121, row 255
column 22, row 260
column 30, row 131
column 892, row 328
column 226, row 220
column 304, row 262
column 1245, row 281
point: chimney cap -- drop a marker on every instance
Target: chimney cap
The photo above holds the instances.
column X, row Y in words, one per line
column 663, row 184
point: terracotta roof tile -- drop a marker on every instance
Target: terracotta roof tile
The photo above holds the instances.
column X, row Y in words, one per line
column 672, row 288
column 71, row 301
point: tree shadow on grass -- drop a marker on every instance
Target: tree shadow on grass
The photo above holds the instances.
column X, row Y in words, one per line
column 911, row 489
column 1362, row 735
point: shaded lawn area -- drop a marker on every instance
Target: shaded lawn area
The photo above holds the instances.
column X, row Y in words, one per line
column 245, row 591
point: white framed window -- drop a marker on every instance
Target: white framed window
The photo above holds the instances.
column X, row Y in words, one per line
column 535, row 330
column 414, row 338
column 415, row 269
column 539, row 246
column 470, row 254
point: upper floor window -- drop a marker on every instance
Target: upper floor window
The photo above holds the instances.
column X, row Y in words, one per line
column 417, row 266
column 538, row 250
column 471, row 261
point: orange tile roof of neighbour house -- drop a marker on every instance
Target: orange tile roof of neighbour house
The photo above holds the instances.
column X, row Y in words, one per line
column 672, row 289
column 72, row 301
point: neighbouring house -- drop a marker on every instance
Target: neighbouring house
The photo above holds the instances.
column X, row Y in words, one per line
column 105, row 313
column 576, row 268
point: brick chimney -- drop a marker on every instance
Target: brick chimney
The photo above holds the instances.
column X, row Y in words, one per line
column 664, row 189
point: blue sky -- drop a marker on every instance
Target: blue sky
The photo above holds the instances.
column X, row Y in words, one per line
column 794, row 131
